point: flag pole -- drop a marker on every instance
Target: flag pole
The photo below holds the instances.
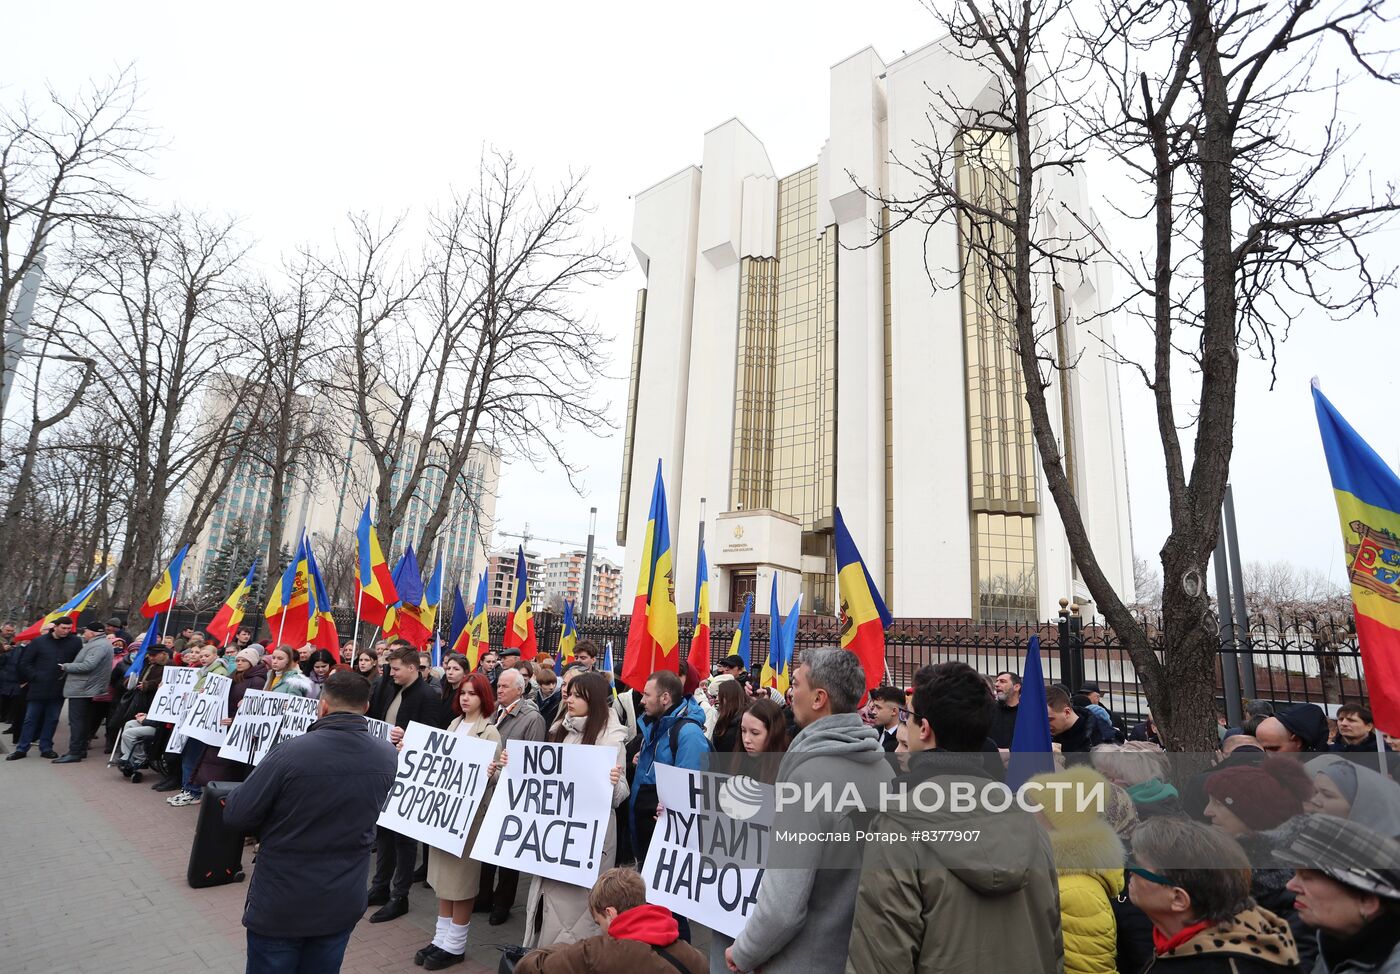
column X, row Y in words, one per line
column 359, row 600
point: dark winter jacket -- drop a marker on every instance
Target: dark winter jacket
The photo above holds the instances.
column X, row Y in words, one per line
column 420, row 703
column 313, row 803
column 1082, row 737
column 38, row 667
column 1004, row 724
column 9, row 672
column 1269, row 890
column 1367, row 745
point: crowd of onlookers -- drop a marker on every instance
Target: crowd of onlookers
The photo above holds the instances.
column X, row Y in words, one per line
column 1280, row 855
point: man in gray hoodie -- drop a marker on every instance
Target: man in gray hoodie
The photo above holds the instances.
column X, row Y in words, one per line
column 84, row 678
column 801, row 923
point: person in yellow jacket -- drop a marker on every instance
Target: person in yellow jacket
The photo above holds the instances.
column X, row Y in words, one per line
column 1089, row 859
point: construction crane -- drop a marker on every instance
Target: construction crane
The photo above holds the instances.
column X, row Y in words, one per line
column 526, row 537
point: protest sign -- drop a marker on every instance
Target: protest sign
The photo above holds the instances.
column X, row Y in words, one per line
column 379, row 729
column 254, row 727
column 707, row 855
column 176, row 687
column 299, row 715
column 203, row 718
column 438, row 787
column 550, row 815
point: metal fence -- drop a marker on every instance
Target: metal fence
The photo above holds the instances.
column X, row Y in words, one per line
column 1283, row 659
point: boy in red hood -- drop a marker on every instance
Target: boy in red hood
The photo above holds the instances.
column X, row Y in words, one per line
column 637, row 937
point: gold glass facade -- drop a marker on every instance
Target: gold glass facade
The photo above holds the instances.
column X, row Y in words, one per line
column 638, row 327
column 785, row 386
column 1002, row 485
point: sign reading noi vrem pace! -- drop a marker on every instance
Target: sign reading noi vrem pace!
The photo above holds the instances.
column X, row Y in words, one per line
column 549, row 815
column 707, row 856
column 441, row 779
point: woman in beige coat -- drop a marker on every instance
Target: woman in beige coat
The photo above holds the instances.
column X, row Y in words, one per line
column 557, row 913
column 456, row 879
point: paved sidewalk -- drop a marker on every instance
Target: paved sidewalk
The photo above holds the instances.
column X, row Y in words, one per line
column 93, row 870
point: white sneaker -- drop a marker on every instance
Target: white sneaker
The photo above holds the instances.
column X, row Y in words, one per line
column 182, row 799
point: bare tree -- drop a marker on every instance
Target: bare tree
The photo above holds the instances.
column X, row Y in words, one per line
column 508, row 263
column 1275, row 586
column 1147, row 585
column 1255, row 216
column 62, row 167
column 291, row 436
column 157, row 312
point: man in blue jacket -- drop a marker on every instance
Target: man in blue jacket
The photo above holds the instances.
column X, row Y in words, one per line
column 673, row 732
column 313, row 803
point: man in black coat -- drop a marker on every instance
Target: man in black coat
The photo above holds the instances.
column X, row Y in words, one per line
column 1072, row 728
column 402, row 696
column 42, row 677
column 313, row 803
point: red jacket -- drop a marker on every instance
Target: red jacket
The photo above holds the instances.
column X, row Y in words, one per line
column 632, row 944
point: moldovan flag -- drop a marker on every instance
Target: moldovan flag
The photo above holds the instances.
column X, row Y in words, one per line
column 479, row 628
column 739, row 645
column 230, row 614
column 653, row 633
column 864, row 617
column 1031, row 745
column 520, row 627
column 700, row 642
column 1368, row 500
column 162, row 597
column 289, row 608
column 568, row 636
column 404, row 620
column 432, row 598
column 782, row 643
column 71, row 609
column 458, row 633
column 374, row 586
column 321, row 627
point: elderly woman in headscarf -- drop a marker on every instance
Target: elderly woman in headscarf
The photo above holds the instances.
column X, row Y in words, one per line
column 1346, row 788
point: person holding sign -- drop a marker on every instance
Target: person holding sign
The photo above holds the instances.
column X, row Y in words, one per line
column 637, row 937
column 249, row 673
column 313, row 803
column 457, row 879
column 557, row 912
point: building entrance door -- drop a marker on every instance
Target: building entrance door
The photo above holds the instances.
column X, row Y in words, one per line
column 742, row 584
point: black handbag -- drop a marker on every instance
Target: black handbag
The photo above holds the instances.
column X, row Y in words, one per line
column 510, row 956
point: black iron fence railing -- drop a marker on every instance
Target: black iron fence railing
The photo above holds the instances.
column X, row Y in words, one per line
column 1283, row 659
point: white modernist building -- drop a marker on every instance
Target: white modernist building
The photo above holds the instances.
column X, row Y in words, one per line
column 783, row 366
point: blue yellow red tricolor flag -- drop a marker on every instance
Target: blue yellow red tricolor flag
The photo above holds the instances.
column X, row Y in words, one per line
column 653, row 633
column 374, row 585
column 457, row 624
column 405, row 620
column 864, row 617
column 320, row 630
column 289, row 606
column 1368, row 502
column 432, row 598
column 230, row 614
column 782, row 644
column 739, row 645
column 568, row 636
column 162, row 597
column 72, row 608
column 1030, row 740
column 699, row 656
column 520, row 627
column 479, row 628
column 608, row 666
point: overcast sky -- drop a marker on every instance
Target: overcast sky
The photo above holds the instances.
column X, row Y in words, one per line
column 291, row 115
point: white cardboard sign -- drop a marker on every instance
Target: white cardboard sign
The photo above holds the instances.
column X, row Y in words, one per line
column 707, row 855
column 203, row 718
column 254, row 727
column 438, row 787
column 549, row 815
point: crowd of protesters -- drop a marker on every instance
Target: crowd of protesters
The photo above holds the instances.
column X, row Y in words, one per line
column 1282, row 855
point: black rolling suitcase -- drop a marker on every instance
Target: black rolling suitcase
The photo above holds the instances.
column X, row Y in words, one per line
column 216, row 855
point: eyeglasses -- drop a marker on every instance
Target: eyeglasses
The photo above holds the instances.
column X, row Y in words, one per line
column 906, row 714
column 1149, row 875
